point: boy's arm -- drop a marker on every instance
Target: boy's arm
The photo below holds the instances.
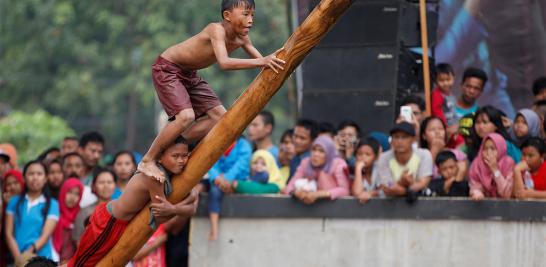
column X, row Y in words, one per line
column 218, row 37
column 251, row 50
column 156, row 195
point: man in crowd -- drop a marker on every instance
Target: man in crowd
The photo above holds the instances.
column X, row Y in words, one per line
column 91, row 149
column 305, row 132
column 260, row 131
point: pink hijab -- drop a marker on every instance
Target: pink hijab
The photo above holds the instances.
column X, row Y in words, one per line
column 480, row 172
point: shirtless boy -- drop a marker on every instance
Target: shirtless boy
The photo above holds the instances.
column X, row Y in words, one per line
column 108, row 221
column 185, row 96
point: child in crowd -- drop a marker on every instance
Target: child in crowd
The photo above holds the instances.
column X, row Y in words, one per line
column 526, row 124
column 31, row 216
column 286, row 153
column 448, row 184
column 124, row 167
column 109, row 220
column 55, row 177
column 366, row 184
column 443, row 100
column 491, row 173
column 69, row 205
column 323, row 167
column 13, row 185
column 103, row 186
column 530, row 173
column 265, row 177
column 184, row 95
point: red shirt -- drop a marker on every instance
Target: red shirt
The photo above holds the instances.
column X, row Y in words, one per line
column 437, row 104
column 539, row 178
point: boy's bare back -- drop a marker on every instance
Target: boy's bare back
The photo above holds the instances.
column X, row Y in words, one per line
column 198, row 51
column 136, row 195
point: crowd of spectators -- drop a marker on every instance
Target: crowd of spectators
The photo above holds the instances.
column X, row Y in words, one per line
column 460, row 150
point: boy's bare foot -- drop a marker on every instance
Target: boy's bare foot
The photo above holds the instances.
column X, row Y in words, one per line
column 150, row 168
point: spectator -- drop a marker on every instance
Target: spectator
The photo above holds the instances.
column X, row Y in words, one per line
column 530, row 173
column 91, row 149
column 55, row 177
column 305, row 132
column 153, row 253
column 9, row 150
column 233, row 165
column 70, row 144
column 443, row 100
column 73, row 166
column 365, row 184
column 491, row 173
column 526, row 124
column 539, row 88
column 124, row 167
column 489, row 120
column 69, row 206
column 326, row 128
column 14, row 184
column 260, row 131
column 50, row 154
column 31, row 217
column 325, row 170
column 265, row 177
column 433, row 138
column 347, row 138
column 403, row 170
column 473, row 82
column 466, row 130
column 449, row 183
column 4, row 163
column 418, row 108
column 286, row 153
column 103, row 185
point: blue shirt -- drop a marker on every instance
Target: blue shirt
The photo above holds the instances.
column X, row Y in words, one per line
column 461, row 112
column 27, row 227
column 295, row 162
column 117, row 193
column 234, row 166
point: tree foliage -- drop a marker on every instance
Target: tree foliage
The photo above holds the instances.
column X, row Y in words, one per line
column 88, row 61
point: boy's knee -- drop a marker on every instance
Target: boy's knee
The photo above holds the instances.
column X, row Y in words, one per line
column 185, row 117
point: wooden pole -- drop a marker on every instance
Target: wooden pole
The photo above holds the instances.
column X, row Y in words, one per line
column 424, row 44
column 232, row 124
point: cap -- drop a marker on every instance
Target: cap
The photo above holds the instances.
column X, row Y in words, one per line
column 4, row 155
column 404, row 127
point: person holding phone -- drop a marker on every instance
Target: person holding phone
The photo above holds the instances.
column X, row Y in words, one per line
column 347, row 139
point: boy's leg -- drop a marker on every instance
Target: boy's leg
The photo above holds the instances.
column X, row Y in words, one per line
column 203, row 125
column 214, row 201
column 166, row 136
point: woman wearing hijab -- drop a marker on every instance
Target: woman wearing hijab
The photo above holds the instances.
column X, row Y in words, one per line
column 491, row 173
column 526, row 124
column 322, row 175
column 265, row 176
column 69, row 206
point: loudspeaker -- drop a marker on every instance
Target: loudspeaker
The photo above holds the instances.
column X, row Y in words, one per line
column 410, row 24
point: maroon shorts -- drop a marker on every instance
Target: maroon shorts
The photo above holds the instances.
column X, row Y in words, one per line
column 102, row 233
column 180, row 89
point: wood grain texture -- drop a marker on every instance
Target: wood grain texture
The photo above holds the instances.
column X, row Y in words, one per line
column 233, row 123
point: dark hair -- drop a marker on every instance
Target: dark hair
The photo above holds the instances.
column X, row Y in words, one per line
column 422, row 128
column 535, row 142
column 267, row 118
column 180, row 140
column 371, row 142
column 309, row 125
column 91, row 137
column 43, row 155
column 124, row 152
column 55, row 161
column 100, row 171
column 45, row 192
column 475, row 73
column 71, row 154
column 345, row 124
column 539, row 85
column 71, row 138
column 415, row 99
column 39, row 261
column 230, row 4
column 443, row 68
column 326, row 127
column 286, row 133
column 444, row 156
column 495, row 117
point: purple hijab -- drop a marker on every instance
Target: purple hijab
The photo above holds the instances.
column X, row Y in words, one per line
column 327, row 144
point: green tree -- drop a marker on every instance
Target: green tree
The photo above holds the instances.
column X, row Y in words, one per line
column 89, row 61
column 32, row 133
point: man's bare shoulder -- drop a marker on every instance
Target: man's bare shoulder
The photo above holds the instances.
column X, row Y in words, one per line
column 215, row 29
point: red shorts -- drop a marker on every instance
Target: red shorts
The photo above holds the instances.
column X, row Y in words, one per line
column 180, row 89
column 102, row 233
